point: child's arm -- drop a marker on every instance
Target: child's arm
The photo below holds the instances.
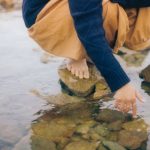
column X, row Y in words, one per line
column 88, row 22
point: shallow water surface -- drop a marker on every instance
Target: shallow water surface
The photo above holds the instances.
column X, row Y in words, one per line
column 23, row 76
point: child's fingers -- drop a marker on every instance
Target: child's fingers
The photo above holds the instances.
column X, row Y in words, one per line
column 117, row 102
column 121, row 106
column 86, row 74
column 128, row 107
column 139, row 97
column 134, row 108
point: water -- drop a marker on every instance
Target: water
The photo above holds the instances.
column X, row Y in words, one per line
column 21, row 73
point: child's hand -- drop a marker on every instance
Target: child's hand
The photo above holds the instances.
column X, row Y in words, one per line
column 125, row 99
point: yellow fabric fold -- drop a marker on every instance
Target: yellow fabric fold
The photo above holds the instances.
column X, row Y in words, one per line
column 54, row 29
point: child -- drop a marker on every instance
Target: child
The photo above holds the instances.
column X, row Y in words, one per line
column 75, row 29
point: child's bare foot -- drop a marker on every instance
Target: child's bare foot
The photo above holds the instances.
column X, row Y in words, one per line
column 79, row 68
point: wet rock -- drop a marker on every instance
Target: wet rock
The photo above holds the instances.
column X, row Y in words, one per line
column 101, row 130
column 113, row 145
column 146, row 74
column 62, row 143
column 82, row 145
column 73, row 127
column 85, row 136
column 84, row 128
column 7, row 3
column 61, row 123
column 136, row 125
column 93, row 135
column 76, row 138
column 109, row 116
column 54, row 126
column 39, row 143
column 101, row 89
column 113, row 136
column 121, row 53
column 101, row 147
column 146, row 87
column 143, row 146
column 115, row 126
column 53, row 130
column 132, row 139
column 135, row 59
column 79, row 87
column 96, row 137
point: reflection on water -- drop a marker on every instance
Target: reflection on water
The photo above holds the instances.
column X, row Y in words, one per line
column 28, row 122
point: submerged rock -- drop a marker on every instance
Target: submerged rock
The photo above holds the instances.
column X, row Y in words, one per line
column 76, row 138
column 132, row 139
column 136, row 125
column 82, row 87
column 146, row 87
column 62, row 143
column 115, row 126
column 73, row 127
column 39, row 143
column 146, row 74
column 113, row 136
column 101, row 89
column 109, row 116
column 82, row 145
column 135, row 59
column 113, row 145
column 95, row 136
column 53, row 131
column 84, row 128
column 62, row 122
column 101, row 130
column 101, row 147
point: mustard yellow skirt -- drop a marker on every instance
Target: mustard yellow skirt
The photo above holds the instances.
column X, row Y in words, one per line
column 54, row 29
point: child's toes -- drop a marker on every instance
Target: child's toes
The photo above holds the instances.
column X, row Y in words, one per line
column 81, row 75
column 73, row 71
column 68, row 67
column 86, row 74
column 77, row 73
